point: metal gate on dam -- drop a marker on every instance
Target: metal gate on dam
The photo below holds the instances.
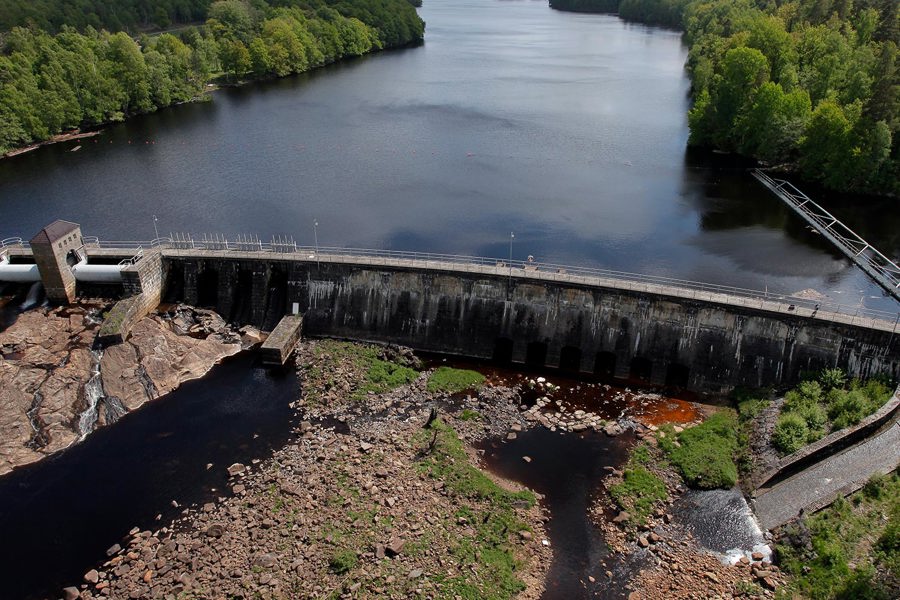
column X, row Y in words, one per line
column 702, row 337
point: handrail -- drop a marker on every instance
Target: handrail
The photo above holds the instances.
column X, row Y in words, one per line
column 676, row 286
column 11, row 241
column 879, row 267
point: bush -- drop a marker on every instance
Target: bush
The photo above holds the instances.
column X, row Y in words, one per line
column 831, row 379
column 705, row 454
column 451, row 381
column 849, row 409
column 750, row 409
column 790, row 433
column 816, row 419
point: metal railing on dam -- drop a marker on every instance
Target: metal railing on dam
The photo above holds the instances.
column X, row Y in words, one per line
column 284, row 248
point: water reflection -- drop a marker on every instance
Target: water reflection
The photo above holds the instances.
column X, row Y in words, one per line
column 568, row 129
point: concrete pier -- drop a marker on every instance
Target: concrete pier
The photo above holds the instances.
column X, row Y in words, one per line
column 281, row 342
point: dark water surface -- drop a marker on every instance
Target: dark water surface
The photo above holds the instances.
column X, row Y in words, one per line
column 57, row 517
column 566, row 469
column 568, row 129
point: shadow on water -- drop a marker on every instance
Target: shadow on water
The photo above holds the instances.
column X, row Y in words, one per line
column 567, row 470
column 57, row 517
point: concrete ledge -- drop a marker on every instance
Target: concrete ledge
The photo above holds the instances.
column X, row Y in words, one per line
column 281, row 342
column 120, row 319
column 829, row 445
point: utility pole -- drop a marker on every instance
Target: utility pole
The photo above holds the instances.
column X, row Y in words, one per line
column 512, row 236
column 316, row 234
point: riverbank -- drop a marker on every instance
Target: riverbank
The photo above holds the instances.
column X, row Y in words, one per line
column 55, row 388
column 811, row 129
column 373, row 498
column 68, row 136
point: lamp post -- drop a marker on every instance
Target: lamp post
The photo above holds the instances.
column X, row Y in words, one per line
column 512, row 236
column 155, row 229
column 316, row 235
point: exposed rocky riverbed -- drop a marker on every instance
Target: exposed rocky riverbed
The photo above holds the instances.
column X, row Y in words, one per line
column 353, row 507
column 347, row 509
column 55, row 388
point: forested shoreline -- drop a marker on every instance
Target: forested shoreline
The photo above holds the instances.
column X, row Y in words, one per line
column 94, row 72
column 811, row 86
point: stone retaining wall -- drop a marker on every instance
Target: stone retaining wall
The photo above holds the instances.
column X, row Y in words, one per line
column 830, row 444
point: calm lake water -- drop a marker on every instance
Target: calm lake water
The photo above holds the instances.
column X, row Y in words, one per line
column 567, row 129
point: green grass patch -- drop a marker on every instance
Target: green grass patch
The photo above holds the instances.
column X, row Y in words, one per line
column 451, row 381
column 488, row 557
column 468, row 414
column 640, row 490
column 849, row 550
column 638, row 493
column 823, row 403
column 375, row 374
column 704, row 455
column 343, row 561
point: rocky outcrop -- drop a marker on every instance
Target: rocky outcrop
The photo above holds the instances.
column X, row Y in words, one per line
column 162, row 353
column 46, row 362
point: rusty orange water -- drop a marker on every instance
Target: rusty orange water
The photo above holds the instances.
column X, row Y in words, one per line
column 610, row 399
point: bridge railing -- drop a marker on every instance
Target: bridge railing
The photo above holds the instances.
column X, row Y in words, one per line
column 881, row 268
column 287, row 247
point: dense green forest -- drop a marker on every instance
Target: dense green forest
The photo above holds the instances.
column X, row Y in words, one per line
column 53, row 82
column 812, row 85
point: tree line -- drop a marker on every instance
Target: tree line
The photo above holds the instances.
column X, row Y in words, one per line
column 53, row 82
column 809, row 85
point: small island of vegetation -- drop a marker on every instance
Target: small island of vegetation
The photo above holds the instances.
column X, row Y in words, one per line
column 812, row 86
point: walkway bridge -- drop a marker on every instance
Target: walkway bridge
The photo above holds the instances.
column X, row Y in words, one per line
column 662, row 330
column 876, row 265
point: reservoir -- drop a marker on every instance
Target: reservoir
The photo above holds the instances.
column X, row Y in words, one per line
column 567, row 129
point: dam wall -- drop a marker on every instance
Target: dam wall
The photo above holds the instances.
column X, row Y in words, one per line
column 538, row 319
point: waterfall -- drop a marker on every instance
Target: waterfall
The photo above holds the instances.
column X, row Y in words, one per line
column 93, row 395
column 721, row 521
column 114, row 409
column 34, row 296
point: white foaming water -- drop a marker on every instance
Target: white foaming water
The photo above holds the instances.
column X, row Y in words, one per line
column 722, row 522
column 93, row 394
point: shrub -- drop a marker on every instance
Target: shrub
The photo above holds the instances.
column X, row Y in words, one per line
column 816, row 419
column 449, row 380
column 831, row 379
column 750, row 409
column 849, row 409
column 705, row 455
column 790, row 433
column 810, row 390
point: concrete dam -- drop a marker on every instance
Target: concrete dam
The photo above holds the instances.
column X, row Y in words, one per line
column 704, row 338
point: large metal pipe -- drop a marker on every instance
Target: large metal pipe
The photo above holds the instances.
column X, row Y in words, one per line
column 97, row 273
column 18, row 273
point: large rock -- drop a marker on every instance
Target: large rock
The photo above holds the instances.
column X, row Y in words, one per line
column 155, row 360
column 45, row 362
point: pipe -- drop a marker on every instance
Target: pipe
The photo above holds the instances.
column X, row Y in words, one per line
column 18, row 273
column 97, row 273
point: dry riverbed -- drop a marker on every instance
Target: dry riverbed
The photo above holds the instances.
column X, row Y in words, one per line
column 367, row 502
column 379, row 495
